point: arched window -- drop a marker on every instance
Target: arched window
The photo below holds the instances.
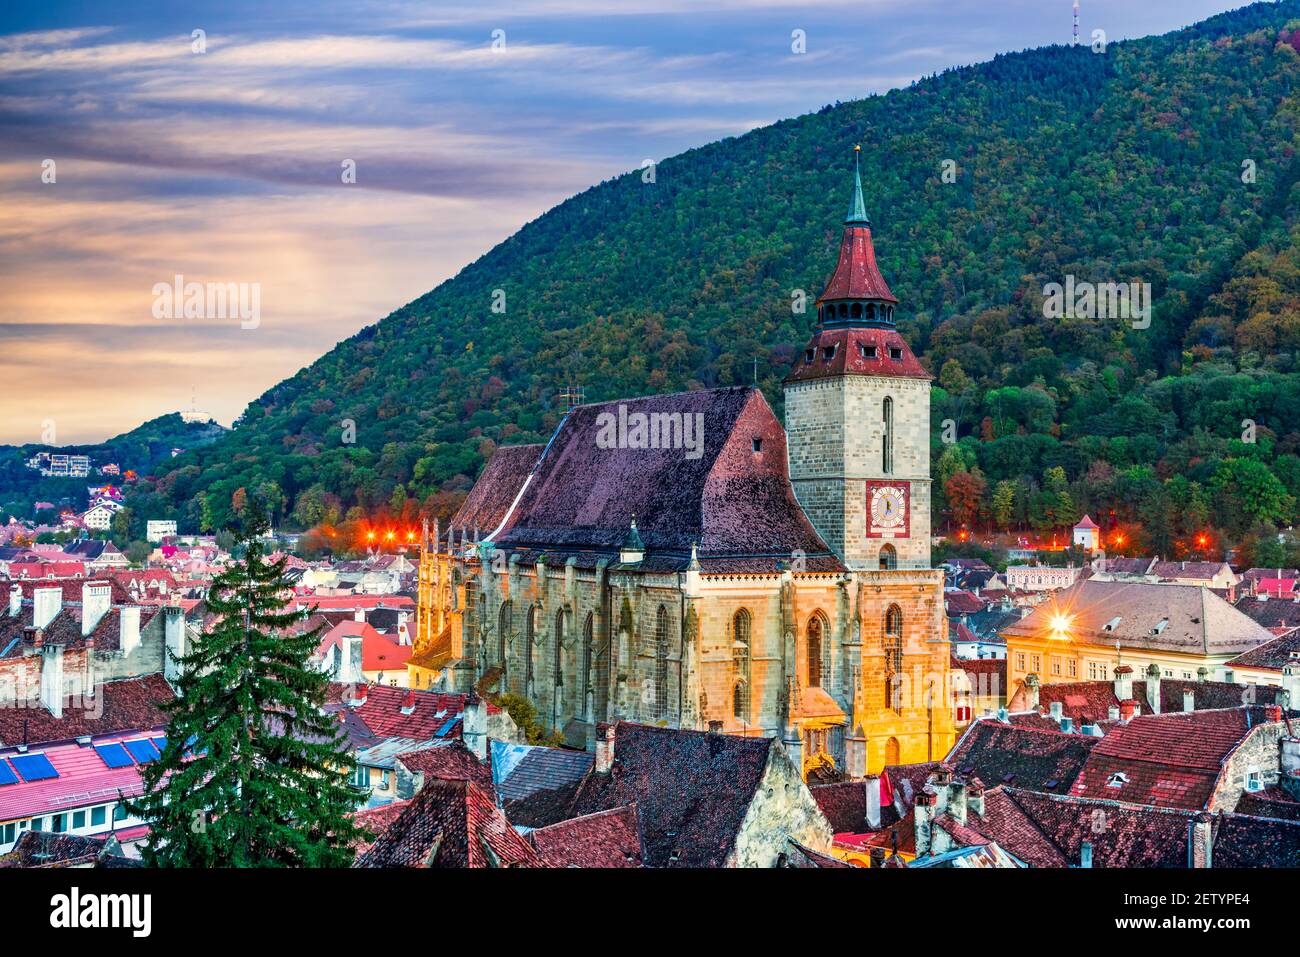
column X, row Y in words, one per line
column 661, row 662
column 504, row 624
column 844, row 310
column 530, row 631
column 588, row 634
column 871, row 311
column 893, row 646
column 818, row 651
column 888, row 557
column 887, row 450
column 857, row 310
column 740, row 656
column 892, row 752
column 558, row 642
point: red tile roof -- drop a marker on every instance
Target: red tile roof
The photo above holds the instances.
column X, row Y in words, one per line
column 856, row 274
column 1166, row 760
column 378, row 652
column 605, row 839
column 381, row 711
column 1024, row 757
column 451, row 761
column 856, row 351
column 125, row 705
column 450, row 824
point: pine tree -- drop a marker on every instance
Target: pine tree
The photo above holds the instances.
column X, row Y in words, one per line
column 254, row 773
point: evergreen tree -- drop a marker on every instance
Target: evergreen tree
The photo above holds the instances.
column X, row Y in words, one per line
column 254, row 773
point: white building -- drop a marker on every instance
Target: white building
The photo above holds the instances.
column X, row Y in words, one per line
column 100, row 517
column 156, row 529
column 1041, row 577
column 1087, row 534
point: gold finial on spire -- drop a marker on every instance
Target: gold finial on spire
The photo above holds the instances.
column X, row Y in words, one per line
column 857, row 148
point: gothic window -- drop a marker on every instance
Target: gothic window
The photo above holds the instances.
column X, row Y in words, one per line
column 871, row 311
column 893, row 646
column 504, row 624
column 844, row 310
column 857, row 310
column 587, row 636
column 740, row 657
column 661, row 662
column 888, row 557
column 530, row 630
column 892, row 752
column 559, row 648
column 887, row 456
column 818, row 651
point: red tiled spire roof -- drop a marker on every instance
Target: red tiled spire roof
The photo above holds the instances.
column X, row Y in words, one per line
column 856, row 274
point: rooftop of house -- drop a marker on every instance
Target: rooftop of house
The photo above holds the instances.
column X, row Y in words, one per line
column 1089, row 702
column 390, row 712
column 1184, row 618
column 1167, row 760
column 378, row 652
column 604, row 839
column 40, row 849
column 1273, row 655
column 122, row 705
column 1040, row 760
column 450, row 824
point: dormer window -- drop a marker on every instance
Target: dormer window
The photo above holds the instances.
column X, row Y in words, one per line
column 1117, row 780
column 810, row 355
column 828, row 353
column 1111, row 625
column 895, row 353
column 868, row 352
column 758, row 444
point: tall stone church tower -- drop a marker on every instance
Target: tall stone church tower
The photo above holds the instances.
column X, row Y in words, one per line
column 857, row 413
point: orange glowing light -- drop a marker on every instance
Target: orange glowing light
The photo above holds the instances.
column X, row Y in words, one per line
column 391, row 536
column 370, row 536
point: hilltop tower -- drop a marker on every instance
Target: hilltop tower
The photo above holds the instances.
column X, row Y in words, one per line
column 857, row 410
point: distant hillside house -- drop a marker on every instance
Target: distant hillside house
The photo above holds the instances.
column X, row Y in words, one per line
column 1087, row 534
column 157, row 529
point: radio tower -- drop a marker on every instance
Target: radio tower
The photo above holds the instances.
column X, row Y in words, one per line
column 1076, row 22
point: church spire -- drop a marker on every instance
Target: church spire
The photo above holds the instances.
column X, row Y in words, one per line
column 857, row 215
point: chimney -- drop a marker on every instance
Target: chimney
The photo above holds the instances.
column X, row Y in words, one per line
column 957, row 800
column 1202, row 673
column 128, row 628
column 357, row 693
column 922, row 821
column 872, row 785
column 52, row 690
column 46, row 605
column 1123, row 682
column 1057, row 709
column 474, row 728
column 1067, row 725
column 877, row 856
column 408, row 703
column 1291, row 684
column 1085, row 854
column 1127, row 709
column 359, row 615
column 15, row 601
column 604, row 747
column 715, row 727
column 173, row 641
column 1189, row 700
column 1003, row 715
column 1201, row 840
column 975, row 797
column 1272, row 712
column 941, row 784
column 1031, row 691
column 1153, row 687
column 1112, row 713
column 96, row 599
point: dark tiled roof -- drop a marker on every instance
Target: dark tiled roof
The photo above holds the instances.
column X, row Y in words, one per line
column 605, row 839
column 1273, row 655
column 1273, row 801
column 905, row 781
column 1089, row 702
column 45, row 849
column 844, row 804
column 500, row 481
column 737, row 504
column 449, row 761
column 1272, row 613
column 692, row 789
column 130, row 704
column 450, row 824
column 801, row 856
column 1024, row 757
column 1244, row 841
column 521, row 770
column 1121, row 835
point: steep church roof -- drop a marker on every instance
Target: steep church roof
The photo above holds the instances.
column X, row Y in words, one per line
column 727, row 490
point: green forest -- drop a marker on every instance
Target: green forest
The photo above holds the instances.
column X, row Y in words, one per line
column 1167, row 160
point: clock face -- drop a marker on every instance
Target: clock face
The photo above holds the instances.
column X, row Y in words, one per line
column 887, row 509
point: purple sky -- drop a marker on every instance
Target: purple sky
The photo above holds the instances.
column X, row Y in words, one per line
column 224, row 166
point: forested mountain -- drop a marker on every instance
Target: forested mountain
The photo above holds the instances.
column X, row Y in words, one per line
column 145, row 449
column 1167, row 160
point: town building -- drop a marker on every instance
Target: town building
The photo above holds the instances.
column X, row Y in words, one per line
column 684, row 560
column 1087, row 534
column 158, row 529
column 1085, row 632
column 1041, row 577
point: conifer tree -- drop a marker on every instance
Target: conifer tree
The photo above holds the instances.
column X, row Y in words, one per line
column 253, row 773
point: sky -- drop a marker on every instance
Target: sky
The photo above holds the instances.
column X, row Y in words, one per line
column 134, row 151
